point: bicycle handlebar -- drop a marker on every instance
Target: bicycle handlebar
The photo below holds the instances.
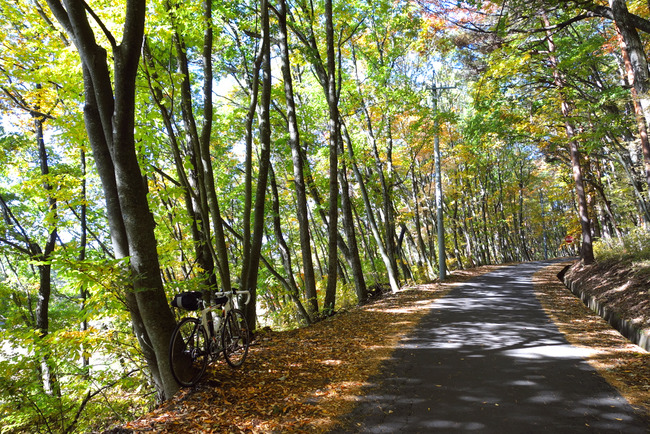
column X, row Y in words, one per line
column 237, row 292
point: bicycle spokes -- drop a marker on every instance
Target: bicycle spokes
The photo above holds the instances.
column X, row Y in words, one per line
column 188, row 353
column 235, row 338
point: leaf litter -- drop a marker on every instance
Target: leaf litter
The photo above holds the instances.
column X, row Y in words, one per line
column 308, row 379
column 624, row 365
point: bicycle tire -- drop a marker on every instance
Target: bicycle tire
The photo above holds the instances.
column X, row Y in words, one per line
column 188, row 352
column 235, row 338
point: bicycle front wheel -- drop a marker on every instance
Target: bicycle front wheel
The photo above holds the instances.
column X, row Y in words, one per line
column 235, row 338
column 188, row 352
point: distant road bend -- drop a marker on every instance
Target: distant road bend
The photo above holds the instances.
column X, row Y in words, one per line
column 487, row 359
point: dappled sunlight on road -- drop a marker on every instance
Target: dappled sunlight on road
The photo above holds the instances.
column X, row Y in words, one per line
column 487, row 359
column 620, row 362
column 556, row 351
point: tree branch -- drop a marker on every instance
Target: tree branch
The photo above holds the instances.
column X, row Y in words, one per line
column 101, row 25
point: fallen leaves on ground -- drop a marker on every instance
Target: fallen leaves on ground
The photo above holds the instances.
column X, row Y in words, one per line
column 306, row 380
column 300, row 380
column 621, row 285
column 624, row 365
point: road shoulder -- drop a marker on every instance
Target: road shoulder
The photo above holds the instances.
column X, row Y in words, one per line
column 624, row 365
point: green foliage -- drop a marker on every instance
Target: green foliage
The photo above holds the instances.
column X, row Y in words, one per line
column 506, row 179
column 633, row 247
column 85, row 399
column 98, row 368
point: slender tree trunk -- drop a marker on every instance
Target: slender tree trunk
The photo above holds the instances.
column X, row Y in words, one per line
column 637, row 187
column 387, row 199
column 455, row 229
column 204, row 257
column 298, row 171
column 348, row 226
column 371, row 216
column 418, row 224
column 83, row 239
column 248, row 163
column 335, row 134
column 388, row 244
column 365, row 241
column 221, row 254
column 586, row 250
column 204, row 186
column 197, row 179
column 48, row 371
column 520, row 213
column 285, row 253
column 264, row 167
column 607, row 204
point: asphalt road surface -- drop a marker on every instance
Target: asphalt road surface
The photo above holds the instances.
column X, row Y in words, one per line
column 487, row 359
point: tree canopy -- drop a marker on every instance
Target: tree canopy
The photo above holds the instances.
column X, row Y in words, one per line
column 288, row 148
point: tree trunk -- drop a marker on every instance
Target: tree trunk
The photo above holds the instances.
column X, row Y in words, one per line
column 197, row 179
column 636, row 68
column 387, row 246
column 202, row 251
column 371, row 216
column 248, row 163
column 335, row 134
column 110, row 116
column 586, row 250
column 264, row 167
column 221, row 254
column 418, row 224
column 285, row 253
column 348, row 226
column 298, row 171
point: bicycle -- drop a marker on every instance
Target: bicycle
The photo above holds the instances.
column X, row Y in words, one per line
column 222, row 328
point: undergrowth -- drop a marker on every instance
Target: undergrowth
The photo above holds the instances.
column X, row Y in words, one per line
column 632, row 248
column 631, row 251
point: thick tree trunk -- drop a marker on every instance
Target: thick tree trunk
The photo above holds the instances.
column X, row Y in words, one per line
column 636, row 68
column 635, row 51
column 110, row 125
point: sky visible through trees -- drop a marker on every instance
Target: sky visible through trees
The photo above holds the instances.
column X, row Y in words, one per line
column 287, row 147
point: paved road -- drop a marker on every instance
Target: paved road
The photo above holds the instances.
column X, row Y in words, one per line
column 486, row 359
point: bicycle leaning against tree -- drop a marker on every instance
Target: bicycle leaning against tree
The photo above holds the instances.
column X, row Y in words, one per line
column 220, row 328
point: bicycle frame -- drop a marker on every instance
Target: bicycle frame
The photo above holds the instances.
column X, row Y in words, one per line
column 195, row 341
column 208, row 320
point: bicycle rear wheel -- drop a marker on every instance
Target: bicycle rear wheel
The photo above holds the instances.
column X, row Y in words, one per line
column 188, row 352
column 235, row 338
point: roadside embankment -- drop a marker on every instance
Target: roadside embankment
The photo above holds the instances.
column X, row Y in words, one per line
column 618, row 293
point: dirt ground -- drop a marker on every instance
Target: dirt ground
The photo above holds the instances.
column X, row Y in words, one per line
column 305, row 380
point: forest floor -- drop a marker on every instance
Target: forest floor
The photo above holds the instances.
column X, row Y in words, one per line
column 305, row 380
